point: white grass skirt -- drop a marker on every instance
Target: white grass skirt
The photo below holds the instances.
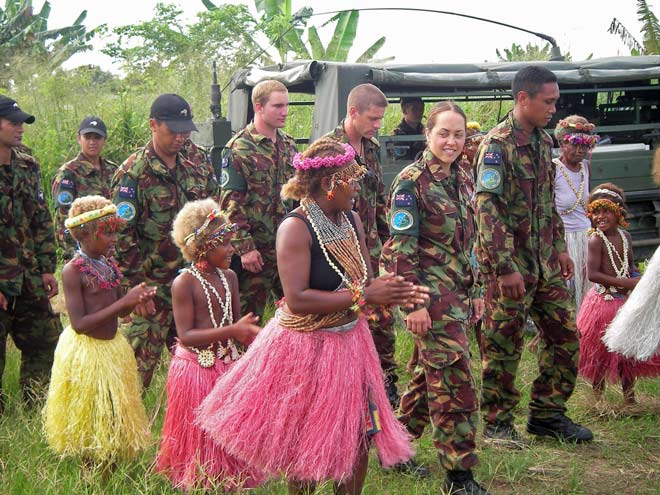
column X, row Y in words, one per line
column 577, row 244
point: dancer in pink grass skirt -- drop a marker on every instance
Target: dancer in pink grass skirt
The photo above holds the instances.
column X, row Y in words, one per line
column 307, row 398
column 611, row 269
column 205, row 300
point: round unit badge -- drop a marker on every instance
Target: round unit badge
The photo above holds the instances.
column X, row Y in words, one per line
column 126, row 211
column 402, row 220
column 490, row 178
column 224, row 178
column 65, row 198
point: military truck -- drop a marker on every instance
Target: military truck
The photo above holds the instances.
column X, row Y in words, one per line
column 621, row 95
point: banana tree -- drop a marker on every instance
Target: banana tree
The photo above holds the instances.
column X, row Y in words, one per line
column 650, row 31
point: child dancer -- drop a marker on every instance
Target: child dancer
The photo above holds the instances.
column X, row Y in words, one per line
column 610, row 268
column 205, row 300
column 635, row 332
column 94, row 408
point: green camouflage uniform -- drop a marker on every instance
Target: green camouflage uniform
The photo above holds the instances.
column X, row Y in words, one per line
column 149, row 195
column 431, row 236
column 27, row 251
column 254, row 169
column 371, row 207
column 194, row 153
column 521, row 231
column 75, row 179
column 414, row 147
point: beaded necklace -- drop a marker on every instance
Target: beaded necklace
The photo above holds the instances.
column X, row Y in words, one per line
column 578, row 194
column 622, row 272
column 102, row 271
column 206, row 357
column 342, row 242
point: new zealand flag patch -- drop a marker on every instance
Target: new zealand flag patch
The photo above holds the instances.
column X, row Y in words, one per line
column 492, row 158
column 127, row 192
column 67, row 184
column 404, row 199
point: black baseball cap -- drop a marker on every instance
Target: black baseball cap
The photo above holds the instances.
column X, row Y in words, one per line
column 92, row 124
column 10, row 110
column 174, row 111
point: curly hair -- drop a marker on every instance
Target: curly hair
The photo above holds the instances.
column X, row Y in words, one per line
column 82, row 205
column 561, row 131
column 191, row 217
column 608, row 186
column 308, row 182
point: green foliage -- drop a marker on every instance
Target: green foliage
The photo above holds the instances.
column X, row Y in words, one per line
column 650, row 28
column 24, row 34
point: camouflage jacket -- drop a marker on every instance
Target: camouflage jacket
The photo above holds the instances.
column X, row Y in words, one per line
column 414, row 147
column 27, row 241
column 254, row 169
column 72, row 180
column 431, row 236
column 370, row 204
column 519, row 228
column 195, row 154
column 148, row 196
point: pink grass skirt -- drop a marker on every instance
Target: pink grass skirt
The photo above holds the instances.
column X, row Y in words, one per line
column 188, row 456
column 596, row 361
column 296, row 404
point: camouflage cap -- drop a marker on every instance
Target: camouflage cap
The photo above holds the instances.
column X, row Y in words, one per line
column 174, row 111
column 10, row 110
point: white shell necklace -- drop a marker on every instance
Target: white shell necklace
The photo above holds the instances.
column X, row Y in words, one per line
column 622, row 272
column 578, row 194
column 206, row 357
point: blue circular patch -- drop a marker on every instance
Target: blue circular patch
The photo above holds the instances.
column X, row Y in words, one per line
column 65, row 198
column 490, row 178
column 126, row 211
column 224, row 178
column 402, row 220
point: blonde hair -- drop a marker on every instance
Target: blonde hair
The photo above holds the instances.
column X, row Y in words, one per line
column 191, row 217
column 82, row 205
column 562, row 130
column 307, row 182
column 262, row 91
column 364, row 96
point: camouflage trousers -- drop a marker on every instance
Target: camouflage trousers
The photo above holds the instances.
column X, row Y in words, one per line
column 442, row 392
column 148, row 336
column 382, row 331
column 35, row 329
column 550, row 306
column 257, row 289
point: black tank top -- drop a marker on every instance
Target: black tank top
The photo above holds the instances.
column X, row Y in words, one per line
column 321, row 274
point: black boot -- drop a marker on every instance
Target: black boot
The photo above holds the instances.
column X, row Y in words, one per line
column 412, row 468
column 391, row 391
column 559, row 426
column 462, row 483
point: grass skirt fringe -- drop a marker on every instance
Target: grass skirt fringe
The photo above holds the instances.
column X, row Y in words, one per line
column 188, row 456
column 94, row 407
column 596, row 361
column 577, row 244
column 296, row 404
column 635, row 332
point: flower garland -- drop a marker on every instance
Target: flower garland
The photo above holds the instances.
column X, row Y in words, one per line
column 606, row 204
column 624, row 270
column 206, row 357
column 580, row 139
column 588, row 127
column 579, row 193
column 317, row 162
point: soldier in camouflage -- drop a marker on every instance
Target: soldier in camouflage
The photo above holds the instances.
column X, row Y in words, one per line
column 27, row 258
column 365, row 110
column 258, row 160
column 412, row 109
column 523, row 258
column 149, row 188
column 431, row 236
column 87, row 174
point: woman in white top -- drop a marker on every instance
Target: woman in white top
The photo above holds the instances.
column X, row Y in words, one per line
column 574, row 134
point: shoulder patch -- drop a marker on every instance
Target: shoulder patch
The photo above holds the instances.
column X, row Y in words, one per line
column 489, row 170
column 230, row 178
column 126, row 210
column 64, row 198
column 403, row 199
column 224, row 178
column 492, row 158
column 402, row 220
column 67, row 184
column 490, row 178
column 127, row 192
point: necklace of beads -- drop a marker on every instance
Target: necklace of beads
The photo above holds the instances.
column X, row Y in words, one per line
column 612, row 251
column 206, row 357
column 102, row 271
column 578, row 194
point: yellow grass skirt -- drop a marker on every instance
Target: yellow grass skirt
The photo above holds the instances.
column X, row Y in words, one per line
column 94, row 408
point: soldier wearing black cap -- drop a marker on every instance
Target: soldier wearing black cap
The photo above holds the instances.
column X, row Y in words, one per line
column 27, row 257
column 412, row 108
column 149, row 188
column 88, row 173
